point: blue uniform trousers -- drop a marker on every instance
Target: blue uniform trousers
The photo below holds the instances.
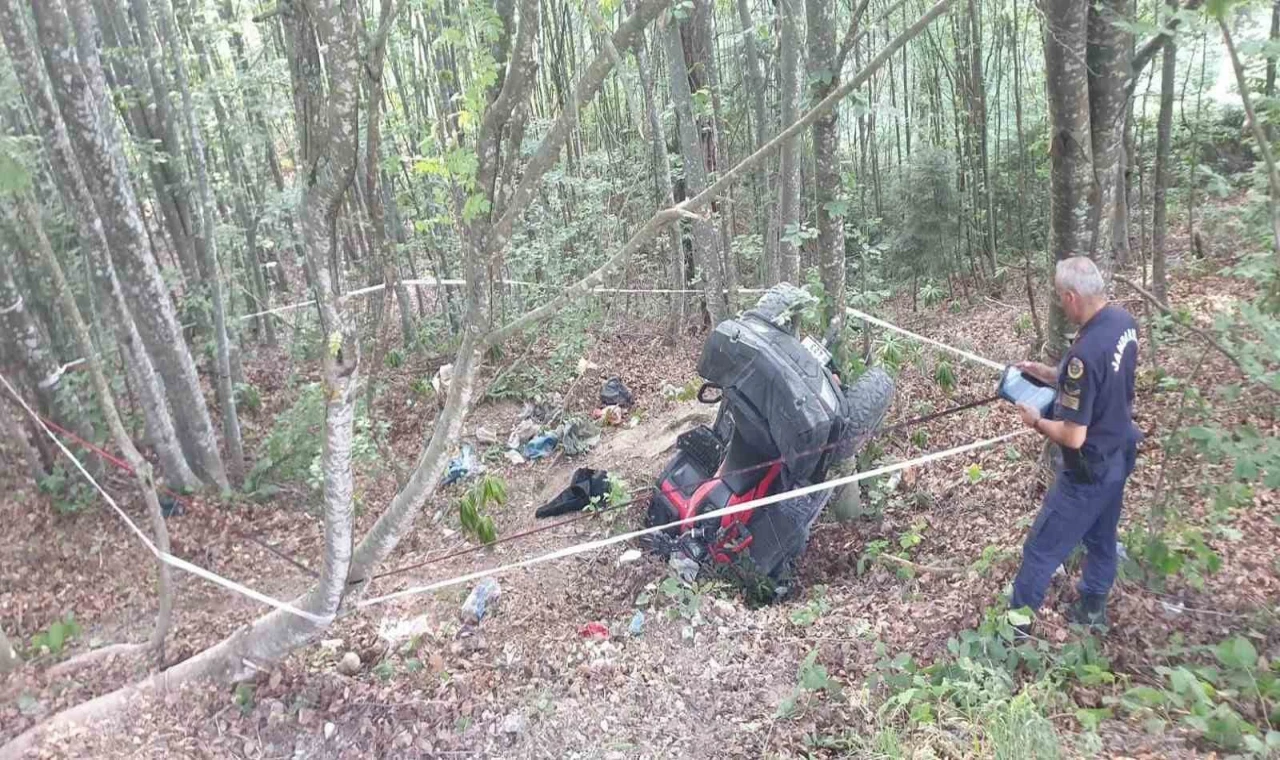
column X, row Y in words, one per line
column 1073, row 512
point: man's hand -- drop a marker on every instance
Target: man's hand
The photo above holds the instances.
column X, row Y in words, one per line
column 1042, row 372
column 1030, row 415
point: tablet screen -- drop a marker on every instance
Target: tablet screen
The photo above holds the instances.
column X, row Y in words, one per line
column 1018, row 388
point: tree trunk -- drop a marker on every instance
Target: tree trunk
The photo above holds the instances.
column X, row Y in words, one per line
column 149, row 115
column 706, row 243
column 383, row 245
column 76, row 196
column 17, row 433
column 207, row 243
column 41, row 369
column 1108, row 75
column 1269, row 89
column 764, row 195
column 706, row 73
column 242, row 194
column 1022, row 182
column 978, row 118
column 99, row 154
column 663, row 193
column 1259, row 136
column 1164, row 145
column 30, row 218
column 1120, row 217
column 828, row 201
column 789, row 14
column 1070, row 147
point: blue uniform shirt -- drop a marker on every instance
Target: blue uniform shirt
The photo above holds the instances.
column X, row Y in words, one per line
column 1095, row 388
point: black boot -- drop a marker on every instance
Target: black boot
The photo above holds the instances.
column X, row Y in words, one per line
column 1089, row 610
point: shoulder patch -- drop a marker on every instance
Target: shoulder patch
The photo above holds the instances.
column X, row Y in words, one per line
column 1075, row 368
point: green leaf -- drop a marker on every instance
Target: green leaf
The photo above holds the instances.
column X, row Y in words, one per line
column 837, row 208
column 1186, row 684
column 1091, row 718
column 1018, row 617
column 56, row 637
column 1146, row 695
column 813, row 678
column 476, row 205
column 1237, row 653
column 1218, row 8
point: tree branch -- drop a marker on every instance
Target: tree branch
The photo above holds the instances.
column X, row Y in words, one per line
column 666, row 216
column 1259, row 135
column 1206, row 337
column 1153, row 46
column 629, row 31
column 851, row 36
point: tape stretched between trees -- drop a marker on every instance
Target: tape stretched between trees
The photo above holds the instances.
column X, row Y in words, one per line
column 164, row 557
column 734, row 509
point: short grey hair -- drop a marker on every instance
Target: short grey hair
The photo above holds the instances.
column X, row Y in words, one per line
column 1080, row 275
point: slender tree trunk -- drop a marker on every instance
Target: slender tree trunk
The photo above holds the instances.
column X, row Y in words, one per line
column 706, row 73
column 150, row 117
column 1164, row 145
column 1259, row 136
column 1070, row 147
column 663, row 194
column 789, row 13
column 706, row 245
column 828, row 202
column 76, row 196
column 1120, row 216
column 207, row 243
column 241, row 180
column 764, row 194
column 1108, row 75
column 1022, row 182
column 1269, row 89
column 16, row 432
column 29, row 216
column 978, row 118
column 98, row 152
column 41, row 369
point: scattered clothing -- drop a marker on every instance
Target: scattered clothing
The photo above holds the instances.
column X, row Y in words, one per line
column 461, row 466
column 578, row 436
column 522, row 433
column 616, row 393
column 594, row 630
column 587, row 484
column 540, row 446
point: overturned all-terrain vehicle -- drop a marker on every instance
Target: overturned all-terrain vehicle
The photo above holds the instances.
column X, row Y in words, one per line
column 784, row 420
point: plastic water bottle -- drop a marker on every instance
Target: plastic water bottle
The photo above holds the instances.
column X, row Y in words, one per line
column 483, row 597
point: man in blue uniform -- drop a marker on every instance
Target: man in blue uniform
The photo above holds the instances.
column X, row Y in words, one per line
column 1092, row 421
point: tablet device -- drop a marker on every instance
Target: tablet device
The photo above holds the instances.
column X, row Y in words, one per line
column 1017, row 387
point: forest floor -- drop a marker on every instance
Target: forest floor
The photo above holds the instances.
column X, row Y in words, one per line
column 707, row 676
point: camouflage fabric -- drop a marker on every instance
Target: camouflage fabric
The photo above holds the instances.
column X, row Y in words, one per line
column 783, row 305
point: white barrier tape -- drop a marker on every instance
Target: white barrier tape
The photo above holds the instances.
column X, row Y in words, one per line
column 165, row 557
column 433, row 283
column 53, row 377
column 604, row 542
column 957, row 351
